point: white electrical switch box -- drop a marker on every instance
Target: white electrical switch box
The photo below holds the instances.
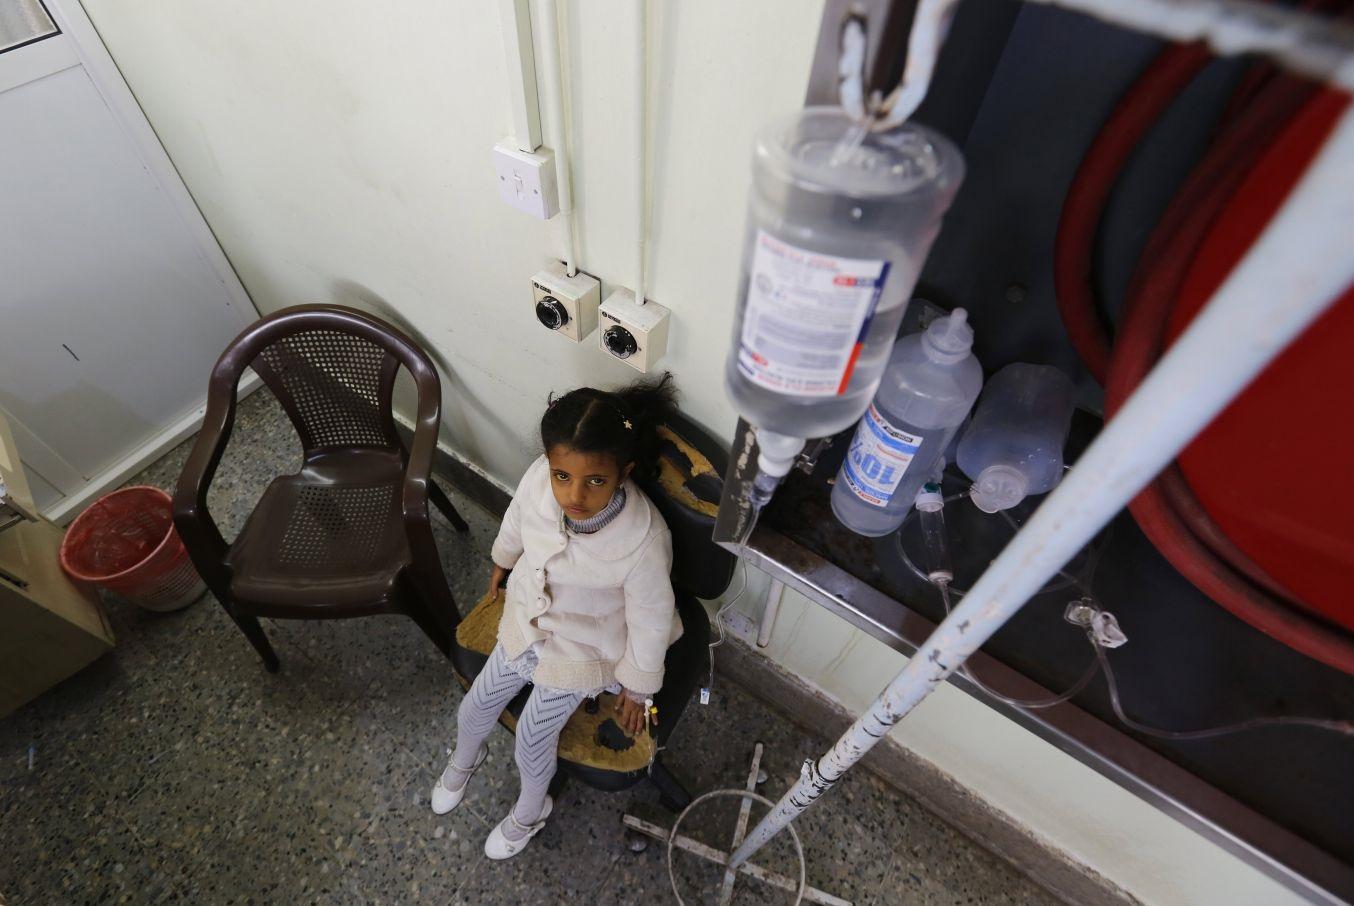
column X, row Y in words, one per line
column 566, row 305
column 526, row 179
column 635, row 334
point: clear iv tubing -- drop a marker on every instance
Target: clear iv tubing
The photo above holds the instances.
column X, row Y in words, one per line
column 755, row 512
column 1344, row 727
column 851, row 141
column 1028, row 704
column 1101, row 663
column 1067, row 579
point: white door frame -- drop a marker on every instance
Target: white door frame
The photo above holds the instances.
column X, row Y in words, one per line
column 79, row 44
column 70, row 17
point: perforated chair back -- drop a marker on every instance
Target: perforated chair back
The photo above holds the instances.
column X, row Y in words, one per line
column 335, row 387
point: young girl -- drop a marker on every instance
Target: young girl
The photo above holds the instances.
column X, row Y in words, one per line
column 589, row 604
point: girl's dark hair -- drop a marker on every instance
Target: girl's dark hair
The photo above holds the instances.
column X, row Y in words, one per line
column 595, row 421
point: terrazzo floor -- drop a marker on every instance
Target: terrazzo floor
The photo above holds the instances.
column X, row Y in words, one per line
column 176, row 769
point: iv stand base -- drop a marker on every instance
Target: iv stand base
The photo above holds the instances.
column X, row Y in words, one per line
column 756, row 872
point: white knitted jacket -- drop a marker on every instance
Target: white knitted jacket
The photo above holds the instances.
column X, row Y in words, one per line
column 600, row 604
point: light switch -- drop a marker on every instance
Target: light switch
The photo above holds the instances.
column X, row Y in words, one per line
column 526, row 179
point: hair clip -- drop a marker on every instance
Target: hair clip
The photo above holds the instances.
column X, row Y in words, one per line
column 626, row 422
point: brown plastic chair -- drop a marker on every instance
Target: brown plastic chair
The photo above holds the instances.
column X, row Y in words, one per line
column 348, row 535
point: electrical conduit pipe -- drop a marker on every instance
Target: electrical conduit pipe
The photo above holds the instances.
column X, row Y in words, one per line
column 555, row 72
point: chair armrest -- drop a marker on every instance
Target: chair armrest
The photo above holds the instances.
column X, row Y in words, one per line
column 427, row 572
column 203, row 540
column 418, row 471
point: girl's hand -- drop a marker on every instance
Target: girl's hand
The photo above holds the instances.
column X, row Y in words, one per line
column 630, row 714
column 496, row 579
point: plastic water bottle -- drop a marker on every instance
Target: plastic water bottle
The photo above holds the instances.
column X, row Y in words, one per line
column 927, row 390
column 840, row 220
column 1014, row 447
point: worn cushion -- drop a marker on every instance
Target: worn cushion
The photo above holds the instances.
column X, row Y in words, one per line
column 592, row 740
column 686, row 475
column 687, row 492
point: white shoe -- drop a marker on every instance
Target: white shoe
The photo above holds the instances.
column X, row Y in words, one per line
column 499, row 847
column 444, row 800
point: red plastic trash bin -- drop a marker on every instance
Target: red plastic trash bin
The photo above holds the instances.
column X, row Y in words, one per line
column 126, row 543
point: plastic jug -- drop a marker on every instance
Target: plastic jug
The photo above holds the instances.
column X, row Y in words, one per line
column 1014, row 447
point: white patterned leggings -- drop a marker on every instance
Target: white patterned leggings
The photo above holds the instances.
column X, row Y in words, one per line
column 538, row 729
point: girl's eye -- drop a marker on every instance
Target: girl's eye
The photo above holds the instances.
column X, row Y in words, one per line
column 560, row 476
column 597, row 482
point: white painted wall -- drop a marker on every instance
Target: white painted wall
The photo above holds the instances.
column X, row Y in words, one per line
column 340, row 150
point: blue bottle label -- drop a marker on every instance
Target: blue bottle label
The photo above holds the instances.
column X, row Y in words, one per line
column 878, row 457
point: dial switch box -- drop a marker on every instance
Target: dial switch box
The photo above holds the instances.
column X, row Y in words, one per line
column 635, row 334
column 566, row 305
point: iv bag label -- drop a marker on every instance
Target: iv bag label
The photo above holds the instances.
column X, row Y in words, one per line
column 806, row 317
column 878, row 457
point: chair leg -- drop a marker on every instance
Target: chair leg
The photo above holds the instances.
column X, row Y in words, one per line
column 672, row 795
column 254, row 632
column 443, row 503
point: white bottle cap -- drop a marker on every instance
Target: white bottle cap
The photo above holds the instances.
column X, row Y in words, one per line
column 948, row 339
column 776, row 452
column 998, row 488
column 930, row 499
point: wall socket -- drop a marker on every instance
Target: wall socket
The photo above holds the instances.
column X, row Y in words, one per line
column 566, row 305
column 635, row 334
column 526, row 179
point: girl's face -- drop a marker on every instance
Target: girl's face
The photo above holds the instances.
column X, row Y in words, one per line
column 583, row 482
